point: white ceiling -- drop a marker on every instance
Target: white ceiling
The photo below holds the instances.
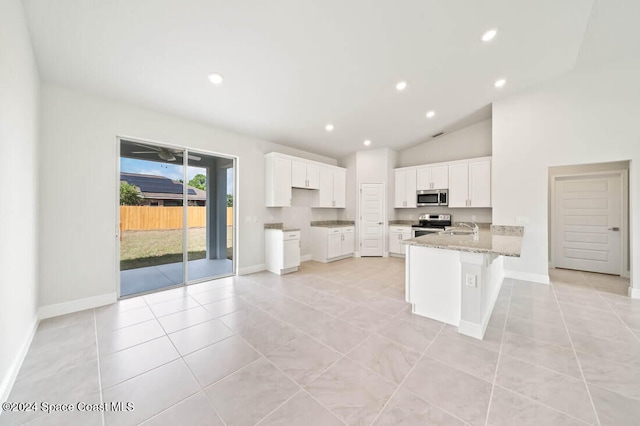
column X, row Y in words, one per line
column 292, row 66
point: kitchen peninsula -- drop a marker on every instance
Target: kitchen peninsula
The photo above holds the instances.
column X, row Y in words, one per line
column 455, row 276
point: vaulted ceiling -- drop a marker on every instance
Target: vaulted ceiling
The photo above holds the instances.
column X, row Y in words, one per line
column 290, row 67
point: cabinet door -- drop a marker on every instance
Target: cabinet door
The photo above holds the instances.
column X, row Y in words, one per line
column 340, row 188
column 348, row 242
column 480, row 183
column 282, row 182
column 410, row 187
column 325, row 196
column 291, row 254
column 394, row 242
column 298, row 174
column 424, row 178
column 313, row 176
column 458, row 185
column 400, row 190
column 440, row 177
column 334, row 245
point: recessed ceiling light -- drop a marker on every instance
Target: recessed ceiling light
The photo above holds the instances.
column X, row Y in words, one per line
column 329, row 127
column 500, row 83
column 367, row 142
column 401, row 86
column 489, row 35
column 431, row 114
column 215, row 78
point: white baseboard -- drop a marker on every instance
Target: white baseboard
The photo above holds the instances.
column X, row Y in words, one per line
column 252, row 269
column 471, row 329
column 626, row 274
column 356, row 254
column 634, row 293
column 527, row 276
column 305, row 258
column 50, row 311
column 10, row 378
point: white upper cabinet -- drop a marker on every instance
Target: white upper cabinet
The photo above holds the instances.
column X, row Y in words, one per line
column 405, row 188
column 480, row 183
column 284, row 172
column 333, row 188
column 470, row 184
column 340, row 188
column 440, row 177
column 433, row 177
column 305, row 175
column 278, row 181
column 459, row 185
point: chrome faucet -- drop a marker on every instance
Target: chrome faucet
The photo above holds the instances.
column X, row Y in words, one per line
column 475, row 228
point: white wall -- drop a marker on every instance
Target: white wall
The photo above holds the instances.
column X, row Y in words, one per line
column 585, row 116
column 19, row 93
column 300, row 215
column 78, row 187
column 374, row 166
column 470, row 142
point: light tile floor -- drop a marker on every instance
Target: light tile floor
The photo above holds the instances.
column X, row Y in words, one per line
column 150, row 278
column 336, row 344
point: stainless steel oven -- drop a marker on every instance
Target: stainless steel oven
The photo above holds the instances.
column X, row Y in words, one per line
column 432, row 197
column 419, row 232
column 430, row 224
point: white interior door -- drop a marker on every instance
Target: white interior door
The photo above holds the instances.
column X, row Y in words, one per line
column 372, row 219
column 588, row 215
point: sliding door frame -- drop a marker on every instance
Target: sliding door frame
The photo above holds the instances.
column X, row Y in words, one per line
column 185, row 205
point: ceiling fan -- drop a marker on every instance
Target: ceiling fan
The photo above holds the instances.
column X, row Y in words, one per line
column 164, row 153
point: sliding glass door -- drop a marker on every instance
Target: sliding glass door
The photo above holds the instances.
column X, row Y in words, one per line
column 172, row 233
column 210, row 235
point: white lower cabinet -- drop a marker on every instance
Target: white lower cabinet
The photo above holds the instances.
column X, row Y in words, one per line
column 282, row 251
column 329, row 244
column 397, row 234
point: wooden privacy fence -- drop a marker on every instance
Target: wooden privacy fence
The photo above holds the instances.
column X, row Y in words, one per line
column 145, row 218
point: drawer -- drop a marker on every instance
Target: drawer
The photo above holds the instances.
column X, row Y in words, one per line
column 400, row 229
column 348, row 230
column 335, row 231
column 291, row 235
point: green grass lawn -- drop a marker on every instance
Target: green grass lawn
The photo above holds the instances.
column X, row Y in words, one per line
column 139, row 249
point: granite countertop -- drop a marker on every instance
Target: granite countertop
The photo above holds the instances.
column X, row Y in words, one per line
column 501, row 240
column 333, row 223
column 279, row 227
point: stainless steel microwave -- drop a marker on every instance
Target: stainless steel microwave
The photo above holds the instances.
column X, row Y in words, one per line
column 432, row 197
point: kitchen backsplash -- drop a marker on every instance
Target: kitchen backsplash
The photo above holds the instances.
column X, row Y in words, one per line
column 457, row 215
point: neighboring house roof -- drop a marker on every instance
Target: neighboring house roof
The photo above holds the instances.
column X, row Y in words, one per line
column 161, row 187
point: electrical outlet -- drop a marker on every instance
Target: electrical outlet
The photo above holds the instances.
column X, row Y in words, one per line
column 522, row 220
column 470, row 280
column 473, row 218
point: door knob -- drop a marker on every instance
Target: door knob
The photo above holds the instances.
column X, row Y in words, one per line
column 379, row 223
column 615, row 228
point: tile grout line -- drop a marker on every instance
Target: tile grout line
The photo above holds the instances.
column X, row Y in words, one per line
column 536, row 402
column 288, row 377
column 495, row 374
column 95, row 331
column 618, row 316
column 166, row 363
column 584, row 380
column 422, row 355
